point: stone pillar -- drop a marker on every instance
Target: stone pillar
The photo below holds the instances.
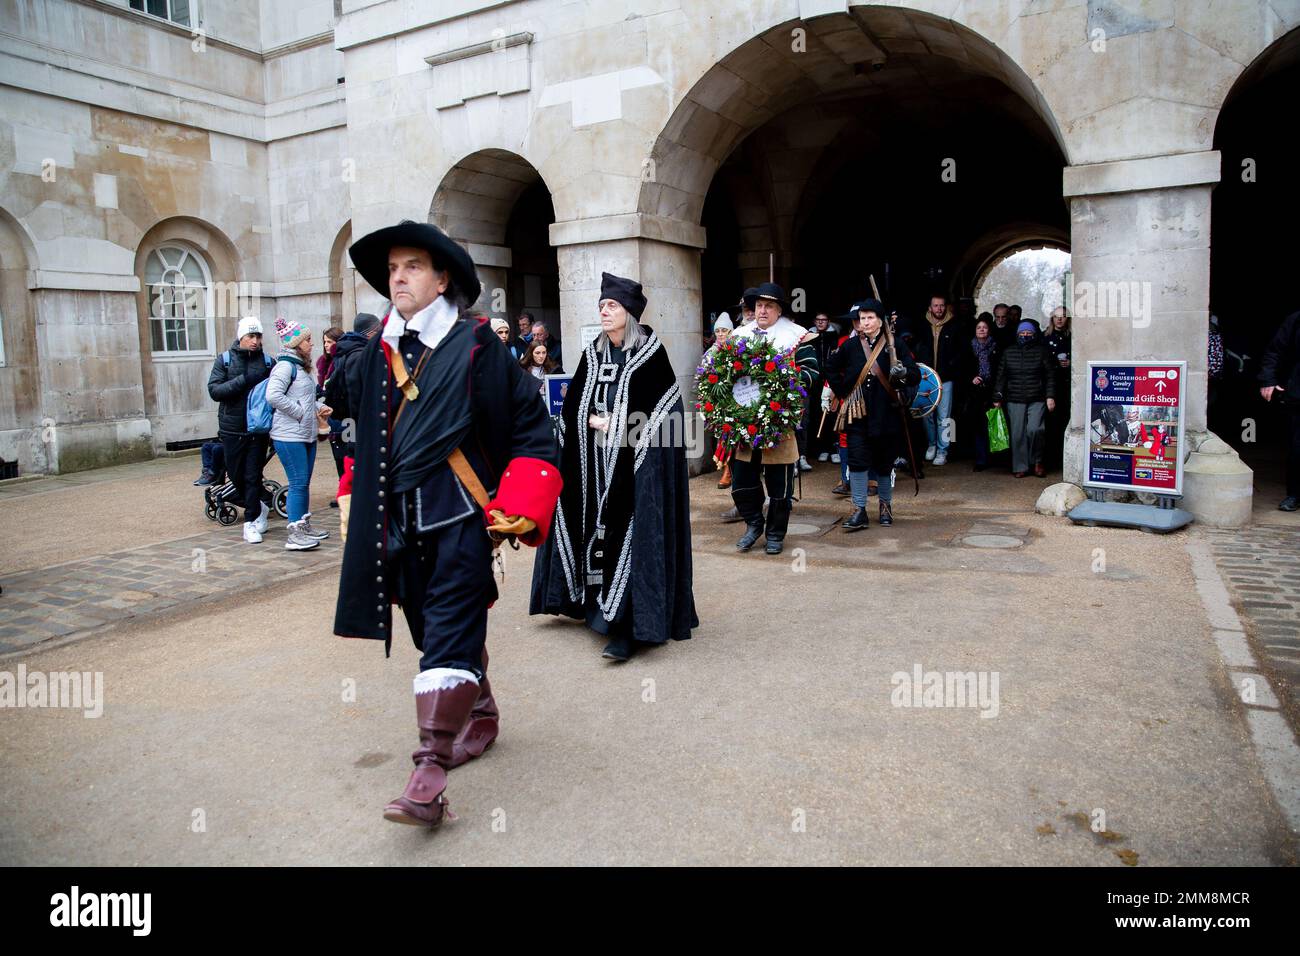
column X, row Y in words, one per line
column 664, row 256
column 493, row 265
column 1140, row 251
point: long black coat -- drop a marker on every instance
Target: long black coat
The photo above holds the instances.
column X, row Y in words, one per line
column 647, row 516
column 970, row 398
column 1281, row 363
column 847, row 362
column 510, row 421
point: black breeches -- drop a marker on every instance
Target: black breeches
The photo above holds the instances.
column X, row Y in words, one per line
column 749, row 476
column 444, row 584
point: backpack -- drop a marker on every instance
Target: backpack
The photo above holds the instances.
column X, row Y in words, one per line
column 259, row 412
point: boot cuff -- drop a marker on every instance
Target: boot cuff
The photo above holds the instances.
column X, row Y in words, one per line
column 442, row 678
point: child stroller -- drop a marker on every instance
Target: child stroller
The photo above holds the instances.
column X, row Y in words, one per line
column 219, row 507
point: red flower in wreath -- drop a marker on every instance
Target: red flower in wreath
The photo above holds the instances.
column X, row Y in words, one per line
column 726, row 428
column 751, row 429
column 713, row 380
column 708, row 406
column 769, row 367
column 775, row 406
column 738, row 365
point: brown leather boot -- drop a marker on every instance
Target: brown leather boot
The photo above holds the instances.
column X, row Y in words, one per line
column 440, row 714
column 482, row 727
column 725, row 480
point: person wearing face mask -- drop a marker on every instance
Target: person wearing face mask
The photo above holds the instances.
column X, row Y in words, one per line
column 1026, row 382
column 867, row 380
column 620, row 558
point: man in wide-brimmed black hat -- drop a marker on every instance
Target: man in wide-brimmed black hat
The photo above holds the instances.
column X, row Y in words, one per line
column 454, row 449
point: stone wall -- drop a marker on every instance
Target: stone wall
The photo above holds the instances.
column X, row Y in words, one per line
column 624, row 110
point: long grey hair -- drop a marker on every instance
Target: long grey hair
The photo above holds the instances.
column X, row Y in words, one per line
column 633, row 337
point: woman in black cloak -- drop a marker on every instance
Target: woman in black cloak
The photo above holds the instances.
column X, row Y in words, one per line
column 620, row 555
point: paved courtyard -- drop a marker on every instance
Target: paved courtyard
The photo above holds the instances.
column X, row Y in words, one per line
column 1109, row 729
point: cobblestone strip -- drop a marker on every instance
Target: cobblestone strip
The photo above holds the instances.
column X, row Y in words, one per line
column 1271, row 733
column 68, row 599
column 1261, row 567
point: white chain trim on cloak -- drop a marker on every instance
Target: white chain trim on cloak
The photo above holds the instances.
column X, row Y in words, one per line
column 568, row 559
column 648, row 434
column 574, row 575
column 565, row 548
column 442, row 678
column 618, row 582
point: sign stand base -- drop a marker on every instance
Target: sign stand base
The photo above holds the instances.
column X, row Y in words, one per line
column 1160, row 518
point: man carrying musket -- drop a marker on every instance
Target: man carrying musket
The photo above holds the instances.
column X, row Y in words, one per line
column 454, row 452
column 867, row 374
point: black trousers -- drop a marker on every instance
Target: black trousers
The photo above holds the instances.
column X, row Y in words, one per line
column 336, row 449
column 245, row 459
column 753, row 475
column 444, row 584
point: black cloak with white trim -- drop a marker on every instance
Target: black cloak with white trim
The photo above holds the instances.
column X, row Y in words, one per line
column 646, row 513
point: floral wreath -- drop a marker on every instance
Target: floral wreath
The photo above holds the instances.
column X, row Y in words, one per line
column 780, row 399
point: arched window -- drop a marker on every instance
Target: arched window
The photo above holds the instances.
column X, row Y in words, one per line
column 180, row 301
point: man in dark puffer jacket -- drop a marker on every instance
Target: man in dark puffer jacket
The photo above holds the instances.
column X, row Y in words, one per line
column 1025, row 378
column 234, row 374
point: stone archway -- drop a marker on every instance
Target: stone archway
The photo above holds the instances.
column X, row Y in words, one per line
column 852, row 151
column 498, row 206
column 1255, row 204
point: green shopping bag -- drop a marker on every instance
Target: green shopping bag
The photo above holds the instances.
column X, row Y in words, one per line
column 999, row 440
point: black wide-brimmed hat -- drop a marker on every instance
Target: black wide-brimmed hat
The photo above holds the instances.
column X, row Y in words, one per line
column 768, row 290
column 745, row 297
column 870, row 305
column 625, row 292
column 370, row 255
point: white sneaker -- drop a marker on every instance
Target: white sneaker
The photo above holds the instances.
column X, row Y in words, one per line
column 262, row 519
column 298, row 541
column 929, row 453
column 803, row 464
column 823, row 456
column 941, row 458
column 251, row 534
column 835, row 457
